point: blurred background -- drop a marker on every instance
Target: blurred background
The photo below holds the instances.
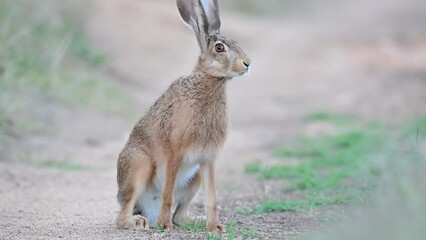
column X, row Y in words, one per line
column 336, row 93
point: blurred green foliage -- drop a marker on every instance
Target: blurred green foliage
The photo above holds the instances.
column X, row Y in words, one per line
column 45, row 58
column 396, row 209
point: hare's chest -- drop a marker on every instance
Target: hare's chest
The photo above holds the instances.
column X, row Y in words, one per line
column 188, row 166
column 209, row 127
column 191, row 161
column 199, row 154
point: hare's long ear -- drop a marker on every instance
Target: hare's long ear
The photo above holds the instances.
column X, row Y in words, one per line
column 211, row 7
column 193, row 14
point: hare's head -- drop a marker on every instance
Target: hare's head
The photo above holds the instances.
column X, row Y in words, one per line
column 220, row 57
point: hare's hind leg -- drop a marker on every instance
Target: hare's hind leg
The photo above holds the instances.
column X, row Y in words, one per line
column 183, row 201
column 133, row 174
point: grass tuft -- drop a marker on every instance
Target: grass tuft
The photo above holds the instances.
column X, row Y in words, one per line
column 195, row 225
column 233, row 231
column 249, row 233
column 212, row 236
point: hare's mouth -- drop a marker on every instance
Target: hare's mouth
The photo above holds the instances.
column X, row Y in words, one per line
column 239, row 72
column 243, row 72
column 246, row 69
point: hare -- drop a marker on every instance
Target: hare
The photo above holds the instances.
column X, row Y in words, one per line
column 171, row 150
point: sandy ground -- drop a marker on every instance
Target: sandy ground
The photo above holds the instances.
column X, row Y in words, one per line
column 367, row 59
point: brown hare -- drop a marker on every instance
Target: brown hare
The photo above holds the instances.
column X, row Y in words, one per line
column 172, row 149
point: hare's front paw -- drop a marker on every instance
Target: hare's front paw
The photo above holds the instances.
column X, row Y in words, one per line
column 215, row 227
column 168, row 226
column 165, row 225
column 136, row 223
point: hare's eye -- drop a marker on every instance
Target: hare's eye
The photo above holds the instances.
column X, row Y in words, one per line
column 219, row 47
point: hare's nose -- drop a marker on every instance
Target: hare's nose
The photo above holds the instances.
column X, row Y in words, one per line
column 246, row 63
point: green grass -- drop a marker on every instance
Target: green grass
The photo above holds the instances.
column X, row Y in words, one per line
column 361, row 163
column 396, row 209
column 62, row 165
column 160, row 228
column 233, row 231
column 311, row 200
column 253, row 167
column 195, row 225
column 274, row 205
column 212, row 236
column 249, row 233
column 325, row 169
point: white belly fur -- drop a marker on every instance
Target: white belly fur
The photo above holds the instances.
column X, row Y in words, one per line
column 150, row 199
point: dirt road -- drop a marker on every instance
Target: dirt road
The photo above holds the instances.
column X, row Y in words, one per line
column 347, row 58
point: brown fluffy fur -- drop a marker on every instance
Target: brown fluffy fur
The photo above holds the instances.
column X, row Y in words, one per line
column 190, row 114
